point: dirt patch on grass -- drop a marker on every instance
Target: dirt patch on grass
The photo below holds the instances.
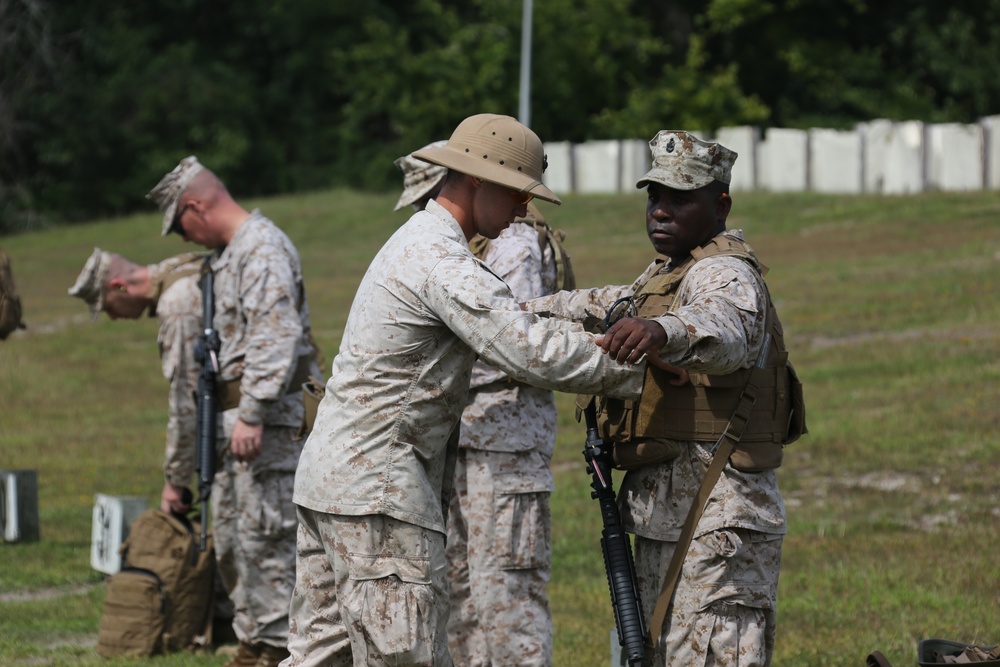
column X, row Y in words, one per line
column 38, row 594
column 910, row 335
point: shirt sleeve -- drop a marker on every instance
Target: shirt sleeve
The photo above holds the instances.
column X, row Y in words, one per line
column 585, row 305
column 177, row 338
column 719, row 326
column 515, row 257
column 478, row 307
column 269, row 294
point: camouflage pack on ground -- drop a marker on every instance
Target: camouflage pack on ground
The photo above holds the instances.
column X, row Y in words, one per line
column 161, row 600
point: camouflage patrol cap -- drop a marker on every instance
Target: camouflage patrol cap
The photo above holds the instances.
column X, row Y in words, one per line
column 90, row 283
column 419, row 177
column 497, row 149
column 170, row 188
column 684, row 162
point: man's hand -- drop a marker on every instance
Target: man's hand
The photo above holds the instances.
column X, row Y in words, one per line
column 246, row 440
column 630, row 338
column 172, row 499
column 682, row 375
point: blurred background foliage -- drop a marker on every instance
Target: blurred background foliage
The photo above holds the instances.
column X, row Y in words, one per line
column 98, row 99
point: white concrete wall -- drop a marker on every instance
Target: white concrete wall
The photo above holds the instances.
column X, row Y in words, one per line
column 893, row 156
column 904, row 171
column 635, row 162
column 743, row 140
column 991, row 143
column 597, row 166
column 835, row 161
column 558, row 177
column 879, row 157
column 954, row 157
column 781, row 160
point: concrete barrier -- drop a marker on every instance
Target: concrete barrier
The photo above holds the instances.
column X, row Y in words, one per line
column 880, row 157
column 835, row 161
column 991, row 151
column 635, row 162
column 743, row 140
column 597, row 165
column 782, row 160
column 954, row 157
column 558, row 176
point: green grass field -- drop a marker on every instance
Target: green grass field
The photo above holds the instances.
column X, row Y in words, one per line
column 892, row 318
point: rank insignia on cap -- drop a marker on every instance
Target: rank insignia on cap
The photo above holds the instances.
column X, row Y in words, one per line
column 670, row 145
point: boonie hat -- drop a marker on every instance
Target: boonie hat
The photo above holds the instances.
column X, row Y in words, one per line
column 684, row 162
column 90, row 283
column 166, row 193
column 419, row 177
column 497, row 149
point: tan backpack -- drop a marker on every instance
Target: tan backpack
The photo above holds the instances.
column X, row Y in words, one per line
column 10, row 303
column 161, row 600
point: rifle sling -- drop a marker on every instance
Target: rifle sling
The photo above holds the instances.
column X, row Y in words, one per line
column 228, row 392
column 726, row 444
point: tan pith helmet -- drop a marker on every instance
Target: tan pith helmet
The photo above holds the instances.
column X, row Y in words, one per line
column 497, row 149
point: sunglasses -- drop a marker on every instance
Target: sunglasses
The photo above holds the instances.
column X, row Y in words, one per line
column 176, row 226
column 520, row 198
column 620, row 309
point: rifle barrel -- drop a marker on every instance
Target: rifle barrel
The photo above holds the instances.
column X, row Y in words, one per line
column 617, row 550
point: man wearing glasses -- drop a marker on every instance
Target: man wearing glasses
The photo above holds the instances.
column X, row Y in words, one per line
column 375, row 478
column 499, row 546
column 266, row 355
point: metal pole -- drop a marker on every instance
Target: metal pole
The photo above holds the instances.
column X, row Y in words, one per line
column 524, row 114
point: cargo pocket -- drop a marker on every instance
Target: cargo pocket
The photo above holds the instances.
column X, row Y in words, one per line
column 276, row 511
column 392, row 603
column 523, row 521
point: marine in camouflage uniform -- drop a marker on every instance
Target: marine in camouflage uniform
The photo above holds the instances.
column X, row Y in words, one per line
column 724, row 604
column 170, row 291
column 262, row 318
column 178, row 310
column 374, row 479
column 499, row 524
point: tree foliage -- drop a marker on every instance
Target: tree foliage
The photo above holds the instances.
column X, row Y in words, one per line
column 99, row 98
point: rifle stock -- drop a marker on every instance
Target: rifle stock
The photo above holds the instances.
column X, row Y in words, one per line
column 207, row 354
column 618, row 562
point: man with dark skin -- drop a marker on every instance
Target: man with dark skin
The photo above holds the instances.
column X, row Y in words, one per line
column 676, row 222
column 702, row 306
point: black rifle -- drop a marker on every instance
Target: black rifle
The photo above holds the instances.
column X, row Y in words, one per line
column 616, row 546
column 207, row 354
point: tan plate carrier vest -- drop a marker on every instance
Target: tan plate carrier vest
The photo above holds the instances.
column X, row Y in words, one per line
column 702, row 409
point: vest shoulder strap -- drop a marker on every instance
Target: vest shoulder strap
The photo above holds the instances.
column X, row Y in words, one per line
column 176, row 268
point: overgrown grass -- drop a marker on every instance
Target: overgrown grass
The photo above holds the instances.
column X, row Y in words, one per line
column 892, row 319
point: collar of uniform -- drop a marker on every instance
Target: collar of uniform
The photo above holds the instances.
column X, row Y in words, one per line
column 441, row 213
column 222, row 254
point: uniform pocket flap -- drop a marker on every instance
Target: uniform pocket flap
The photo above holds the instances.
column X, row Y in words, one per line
column 527, row 481
column 365, row 567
